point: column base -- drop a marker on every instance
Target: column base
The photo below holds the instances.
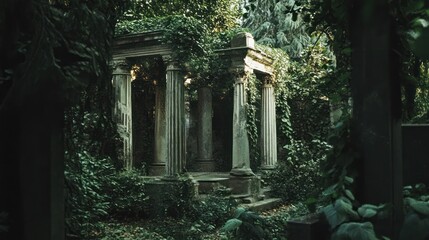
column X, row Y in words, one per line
column 245, row 186
column 205, row 166
column 267, row 167
column 241, row 172
column 157, row 169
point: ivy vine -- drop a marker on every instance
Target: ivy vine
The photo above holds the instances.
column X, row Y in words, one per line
column 253, row 104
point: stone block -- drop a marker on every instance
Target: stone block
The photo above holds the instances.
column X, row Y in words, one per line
column 157, row 170
column 170, row 197
column 243, row 40
column 309, row 227
column 246, row 186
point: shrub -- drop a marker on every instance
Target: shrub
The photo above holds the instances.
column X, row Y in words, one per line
column 127, row 195
column 298, row 176
column 245, row 225
column 212, row 212
column 87, row 173
column 115, row 231
column 86, row 201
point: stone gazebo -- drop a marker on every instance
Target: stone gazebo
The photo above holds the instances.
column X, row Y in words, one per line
column 170, row 138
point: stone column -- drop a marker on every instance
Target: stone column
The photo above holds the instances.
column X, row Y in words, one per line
column 268, row 129
column 157, row 167
column 240, row 141
column 205, row 142
column 122, row 109
column 175, row 116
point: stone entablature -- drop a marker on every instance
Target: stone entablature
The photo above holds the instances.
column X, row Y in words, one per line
column 140, row 45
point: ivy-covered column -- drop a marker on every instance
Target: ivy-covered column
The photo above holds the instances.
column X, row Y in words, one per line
column 160, row 144
column 175, row 116
column 240, row 141
column 122, row 108
column 205, row 160
column 268, row 129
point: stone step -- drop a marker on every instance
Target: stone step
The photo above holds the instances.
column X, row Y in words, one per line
column 263, row 205
column 266, row 191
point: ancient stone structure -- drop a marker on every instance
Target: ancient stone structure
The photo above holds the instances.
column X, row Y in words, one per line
column 169, row 133
column 246, row 60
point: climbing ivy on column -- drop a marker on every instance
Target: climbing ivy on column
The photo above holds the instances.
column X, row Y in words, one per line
column 253, row 105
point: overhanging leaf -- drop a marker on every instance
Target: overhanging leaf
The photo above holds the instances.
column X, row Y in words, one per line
column 420, row 207
column 344, row 207
column 349, row 194
column 369, row 210
column 238, row 212
column 333, row 217
column 355, row 231
column 419, row 44
column 231, row 225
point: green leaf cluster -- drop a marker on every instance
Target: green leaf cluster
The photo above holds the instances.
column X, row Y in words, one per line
column 218, row 15
column 416, row 221
column 278, row 24
column 245, row 225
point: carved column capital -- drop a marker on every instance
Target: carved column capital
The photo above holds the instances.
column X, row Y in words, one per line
column 171, row 63
column 268, row 80
column 240, row 74
column 119, row 66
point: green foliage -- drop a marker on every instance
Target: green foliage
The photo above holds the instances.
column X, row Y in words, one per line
column 348, row 223
column 218, row 15
column 253, row 106
column 416, row 221
column 298, row 176
column 87, row 202
column 127, row 195
column 245, row 225
column 87, row 174
column 115, row 231
column 211, row 212
column 278, row 24
column 185, row 35
column 210, row 69
column 311, row 93
column 355, row 231
column 338, row 169
column 176, row 199
column 416, row 30
column 276, row 227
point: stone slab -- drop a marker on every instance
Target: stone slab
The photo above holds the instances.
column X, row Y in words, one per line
column 263, row 205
